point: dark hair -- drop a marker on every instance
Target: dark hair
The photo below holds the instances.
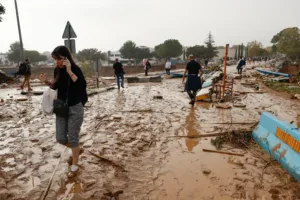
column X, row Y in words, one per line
column 27, row 60
column 59, row 52
column 62, row 51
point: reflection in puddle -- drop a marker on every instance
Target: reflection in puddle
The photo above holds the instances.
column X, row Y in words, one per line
column 191, row 128
column 120, row 99
column 71, row 189
column 205, row 105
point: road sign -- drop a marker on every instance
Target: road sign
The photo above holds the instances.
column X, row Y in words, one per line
column 69, row 32
column 71, row 47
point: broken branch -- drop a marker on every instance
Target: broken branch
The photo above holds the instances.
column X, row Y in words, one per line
column 242, row 123
column 200, row 136
column 222, row 152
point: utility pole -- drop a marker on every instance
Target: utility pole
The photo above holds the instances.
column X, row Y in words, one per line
column 20, row 34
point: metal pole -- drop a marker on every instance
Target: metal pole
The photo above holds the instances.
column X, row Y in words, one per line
column 69, row 29
column 225, row 66
column 20, row 34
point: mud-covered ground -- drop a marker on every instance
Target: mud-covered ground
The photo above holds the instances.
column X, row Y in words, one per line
column 133, row 128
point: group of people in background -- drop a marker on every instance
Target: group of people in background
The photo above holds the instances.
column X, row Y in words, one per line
column 253, row 60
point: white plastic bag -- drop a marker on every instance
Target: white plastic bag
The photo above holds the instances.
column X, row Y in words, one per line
column 47, row 103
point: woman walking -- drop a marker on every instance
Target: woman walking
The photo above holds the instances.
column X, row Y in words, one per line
column 193, row 82
column 71, row 89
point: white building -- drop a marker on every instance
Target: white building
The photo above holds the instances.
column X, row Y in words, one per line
column 113, row 55
column 4, row 61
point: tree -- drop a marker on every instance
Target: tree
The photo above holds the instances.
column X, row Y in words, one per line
column 14, row 53
column 287, row 42
column 274, row 49
column 211, row 51
column 141, row 53
column 255, row 48
column 242, row 50
column 198, row 51
column 34, row 56
column 128, row 50
column 236, row 53
column 170, row 48
column 159, row 51
column 90, row 55
column 2, row 11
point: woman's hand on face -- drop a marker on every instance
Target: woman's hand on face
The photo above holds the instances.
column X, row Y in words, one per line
column 43, row 77
column 67, row 64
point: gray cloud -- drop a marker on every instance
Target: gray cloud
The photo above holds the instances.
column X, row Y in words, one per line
column 106, row 25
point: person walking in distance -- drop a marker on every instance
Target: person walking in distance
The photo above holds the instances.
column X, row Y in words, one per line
column 168, row 66
column 119, row 73
column 193, row 82
column 241, row 64
column 25, row 69
column 70, row 84
column 147, row 67
column 206, row 63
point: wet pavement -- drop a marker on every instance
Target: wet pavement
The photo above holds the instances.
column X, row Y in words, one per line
column 134, row 131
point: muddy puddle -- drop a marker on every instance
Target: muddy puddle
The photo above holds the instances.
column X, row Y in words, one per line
column 134, row 131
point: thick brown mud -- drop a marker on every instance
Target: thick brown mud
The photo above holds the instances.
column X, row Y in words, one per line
column 134, row 130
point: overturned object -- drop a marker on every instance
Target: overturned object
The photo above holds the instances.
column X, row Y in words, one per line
column 4, row 78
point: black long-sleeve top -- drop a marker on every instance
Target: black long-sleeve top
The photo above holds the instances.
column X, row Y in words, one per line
column 76, row 91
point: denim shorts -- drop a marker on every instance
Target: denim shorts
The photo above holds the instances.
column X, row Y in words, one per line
column 68, row 128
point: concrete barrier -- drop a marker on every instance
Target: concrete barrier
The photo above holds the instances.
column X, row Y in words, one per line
column 281, row 140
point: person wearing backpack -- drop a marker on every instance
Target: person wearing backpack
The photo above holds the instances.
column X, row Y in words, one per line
column 25, row 69
column 241, row 64
column 70, row 84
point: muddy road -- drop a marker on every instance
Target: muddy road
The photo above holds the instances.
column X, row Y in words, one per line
column 134, row 129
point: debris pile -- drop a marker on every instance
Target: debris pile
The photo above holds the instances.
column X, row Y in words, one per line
column 4, row 78
column 239, row 139
column 214, row 68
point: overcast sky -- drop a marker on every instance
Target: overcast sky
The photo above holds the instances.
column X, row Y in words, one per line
column 107, row 24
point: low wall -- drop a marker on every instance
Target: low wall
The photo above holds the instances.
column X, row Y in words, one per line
column 104, row 70
column 108, row 71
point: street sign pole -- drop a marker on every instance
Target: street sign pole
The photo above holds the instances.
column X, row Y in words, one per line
column 69, row 39
column 68, row 34
column 20, row 34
